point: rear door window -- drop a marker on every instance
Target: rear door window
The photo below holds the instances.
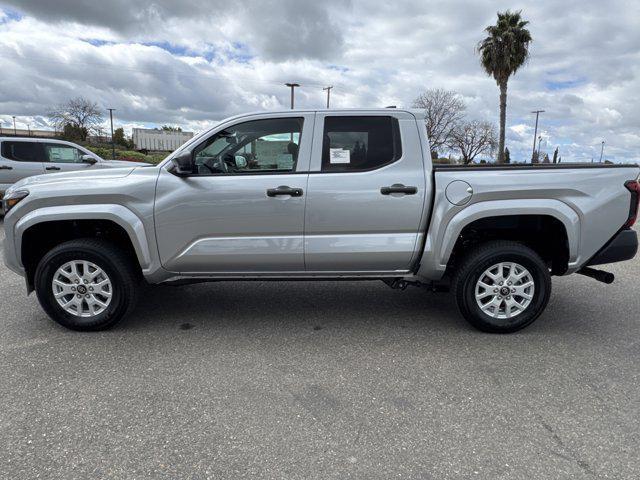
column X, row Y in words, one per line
column 352, row 144
column 22, row 151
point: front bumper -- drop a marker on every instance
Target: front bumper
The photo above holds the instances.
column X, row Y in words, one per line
column 10, row 255
column 623, row 246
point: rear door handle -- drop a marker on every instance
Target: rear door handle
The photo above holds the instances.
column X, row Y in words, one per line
column 52, row 168
column 5, row 167
column 398, row 188
column 284, row 190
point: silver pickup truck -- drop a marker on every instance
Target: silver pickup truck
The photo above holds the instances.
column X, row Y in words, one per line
column 332, row 194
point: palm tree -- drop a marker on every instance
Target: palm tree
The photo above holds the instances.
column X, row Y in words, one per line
column 502, row 53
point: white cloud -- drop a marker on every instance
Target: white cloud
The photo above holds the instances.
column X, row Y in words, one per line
column 194, row 62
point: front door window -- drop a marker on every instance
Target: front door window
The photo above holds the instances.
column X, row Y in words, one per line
column 58, row 153
column 259, row 146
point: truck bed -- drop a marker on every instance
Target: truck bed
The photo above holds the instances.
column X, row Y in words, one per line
column 589, row 199
column 531, row 166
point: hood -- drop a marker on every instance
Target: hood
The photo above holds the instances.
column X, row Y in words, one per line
column 123, row 163
column 85, row 176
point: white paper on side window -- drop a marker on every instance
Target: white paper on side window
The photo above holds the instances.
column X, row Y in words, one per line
column 285, row 161
column 339, row 155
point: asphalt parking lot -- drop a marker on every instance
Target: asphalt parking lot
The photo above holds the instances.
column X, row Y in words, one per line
column 323, row 380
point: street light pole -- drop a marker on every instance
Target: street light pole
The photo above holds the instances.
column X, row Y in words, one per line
column 601, row 151
column 292, row 86
column 113, row 145
column 539, row 142
column 15, row 132
column 328, row 89
column 535, row 132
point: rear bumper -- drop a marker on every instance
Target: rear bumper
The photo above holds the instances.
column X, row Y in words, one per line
column 623, row 246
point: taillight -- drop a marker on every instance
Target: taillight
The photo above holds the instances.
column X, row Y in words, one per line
column 634, row 187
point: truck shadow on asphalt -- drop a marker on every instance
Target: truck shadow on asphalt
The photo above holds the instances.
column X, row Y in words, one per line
column 313, row 306
column 347, row 306
column 294, row 304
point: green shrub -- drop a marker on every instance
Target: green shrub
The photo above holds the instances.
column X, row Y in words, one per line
column 444, row 161
column 129, row 155
column 100, row 151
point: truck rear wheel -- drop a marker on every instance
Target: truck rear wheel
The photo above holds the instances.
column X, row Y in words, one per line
column 502, row 287
column 87, row 284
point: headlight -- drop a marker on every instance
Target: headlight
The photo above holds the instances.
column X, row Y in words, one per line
column 11, row 199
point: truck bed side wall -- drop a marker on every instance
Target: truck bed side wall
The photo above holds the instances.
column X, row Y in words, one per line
column 592, row 204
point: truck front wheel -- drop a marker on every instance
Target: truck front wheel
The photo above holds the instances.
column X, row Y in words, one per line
column 502, row 287
column 87, row 284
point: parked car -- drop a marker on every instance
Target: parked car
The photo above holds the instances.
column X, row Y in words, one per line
column 331, row 194
column 25, row 157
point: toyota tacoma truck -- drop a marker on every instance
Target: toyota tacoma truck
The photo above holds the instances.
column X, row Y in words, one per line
column 317, row 195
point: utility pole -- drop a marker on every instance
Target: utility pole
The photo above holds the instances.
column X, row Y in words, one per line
column 292, row 86
column 113, row 145
column 29, row 128
column 328, row 89
column 14, row 125
column 601, row 151
column 535, row 132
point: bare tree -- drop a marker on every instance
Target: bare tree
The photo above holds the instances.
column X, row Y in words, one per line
column 443, row 110
column 472, row 139
column 80, row 114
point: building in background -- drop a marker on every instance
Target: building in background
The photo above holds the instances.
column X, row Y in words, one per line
column 152, row 139
column 26, row 132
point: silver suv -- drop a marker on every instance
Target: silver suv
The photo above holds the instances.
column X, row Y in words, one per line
column 26, row 157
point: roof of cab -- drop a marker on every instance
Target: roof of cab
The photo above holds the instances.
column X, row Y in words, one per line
column 414, row 111
column 417, row 113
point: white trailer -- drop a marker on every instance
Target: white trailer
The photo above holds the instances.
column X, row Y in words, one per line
column 159, row 140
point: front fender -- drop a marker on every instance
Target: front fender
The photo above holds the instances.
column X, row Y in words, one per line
column 118, row 214
column 445, row 230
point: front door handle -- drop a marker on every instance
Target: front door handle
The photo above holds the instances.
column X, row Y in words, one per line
column 52, row 168
column 5, row 167
column 284, row 190
column 398, row 188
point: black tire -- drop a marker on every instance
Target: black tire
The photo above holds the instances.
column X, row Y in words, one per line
column 482, row 258
column 115, row 263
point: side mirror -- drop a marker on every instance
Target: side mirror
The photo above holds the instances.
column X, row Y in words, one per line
column 88, row 159
column 182, row 164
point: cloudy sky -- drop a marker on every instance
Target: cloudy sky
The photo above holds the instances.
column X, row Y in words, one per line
column 193, row 62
